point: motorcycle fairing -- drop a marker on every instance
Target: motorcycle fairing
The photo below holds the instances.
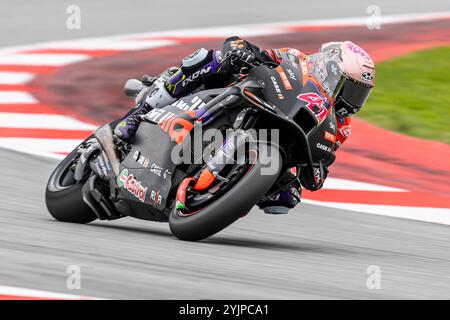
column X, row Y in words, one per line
column 322, row 140
column 146, row 173
column 150, row 163
column 288, row 89
column 305, row 98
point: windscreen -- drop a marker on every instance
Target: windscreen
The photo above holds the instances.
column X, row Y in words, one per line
column 324, row 66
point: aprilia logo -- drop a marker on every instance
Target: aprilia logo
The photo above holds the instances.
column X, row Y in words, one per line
column 159, row 115
column 176, row 127
column 196, row 104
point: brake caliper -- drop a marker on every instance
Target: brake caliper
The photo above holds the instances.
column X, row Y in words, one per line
column 181, row 193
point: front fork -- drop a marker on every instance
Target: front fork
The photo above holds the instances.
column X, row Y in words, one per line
column 234, row 145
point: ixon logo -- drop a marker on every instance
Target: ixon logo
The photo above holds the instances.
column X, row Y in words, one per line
column 195, row 75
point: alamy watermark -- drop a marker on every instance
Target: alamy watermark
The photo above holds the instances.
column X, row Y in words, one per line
column 218, row 148
column 73, row 281
column 373, row 281
column 373, row 22
column 73, row 21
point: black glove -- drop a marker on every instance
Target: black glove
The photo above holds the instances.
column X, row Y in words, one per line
column 314, row 183
column 234, row 60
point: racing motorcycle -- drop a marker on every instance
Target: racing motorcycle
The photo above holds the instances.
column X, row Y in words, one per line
column 105, row 178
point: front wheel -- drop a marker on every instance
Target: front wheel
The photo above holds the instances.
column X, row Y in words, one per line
column 239, row 199
column 63, row 195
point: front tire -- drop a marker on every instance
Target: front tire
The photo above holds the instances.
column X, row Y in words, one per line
column 230, row 206
column 63, row 195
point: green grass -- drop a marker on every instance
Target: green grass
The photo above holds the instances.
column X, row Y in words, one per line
column 412, row 95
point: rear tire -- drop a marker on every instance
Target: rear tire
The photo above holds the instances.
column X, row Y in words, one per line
column 64, row 200
column 229, row 207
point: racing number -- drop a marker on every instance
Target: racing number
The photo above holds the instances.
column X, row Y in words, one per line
column 315, row 103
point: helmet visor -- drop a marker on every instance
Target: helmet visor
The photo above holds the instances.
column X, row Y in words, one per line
column 355, row 93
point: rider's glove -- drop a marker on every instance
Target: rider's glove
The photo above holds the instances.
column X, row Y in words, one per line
column 234, row 60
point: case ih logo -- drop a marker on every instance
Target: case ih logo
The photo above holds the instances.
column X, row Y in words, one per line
column 277, row 88
column 132, row 185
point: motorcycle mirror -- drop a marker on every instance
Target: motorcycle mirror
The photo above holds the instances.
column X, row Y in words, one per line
column 133, row 87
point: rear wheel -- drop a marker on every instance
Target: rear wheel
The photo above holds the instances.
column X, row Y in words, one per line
column 63, row 195
column 240, row 196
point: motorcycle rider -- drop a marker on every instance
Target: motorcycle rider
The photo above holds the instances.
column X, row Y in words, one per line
column 344, row 69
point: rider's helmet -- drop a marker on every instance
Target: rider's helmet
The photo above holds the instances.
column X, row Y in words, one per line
column 346, row 72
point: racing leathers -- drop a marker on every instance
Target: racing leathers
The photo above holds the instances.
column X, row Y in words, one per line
column 214, row 69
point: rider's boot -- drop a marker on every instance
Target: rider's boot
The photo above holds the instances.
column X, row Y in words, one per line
column 283, row 201
column 158, row 98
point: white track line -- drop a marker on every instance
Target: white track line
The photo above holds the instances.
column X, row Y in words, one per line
column 123, row 45
column 343, row 184
column 41, row 59
column 42, row 121
column 433, row 215
column 15, row 77
column 221, row 32
column 16, row 97
column 29, row 293
column 36, row 146
column 27, row 150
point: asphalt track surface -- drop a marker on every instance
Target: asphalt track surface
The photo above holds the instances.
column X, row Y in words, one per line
column 313, row 252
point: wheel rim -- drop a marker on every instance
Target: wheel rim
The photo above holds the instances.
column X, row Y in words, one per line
column 235, row 173
column 62, row 176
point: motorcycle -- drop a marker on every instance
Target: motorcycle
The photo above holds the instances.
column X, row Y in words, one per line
column 105, row 178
